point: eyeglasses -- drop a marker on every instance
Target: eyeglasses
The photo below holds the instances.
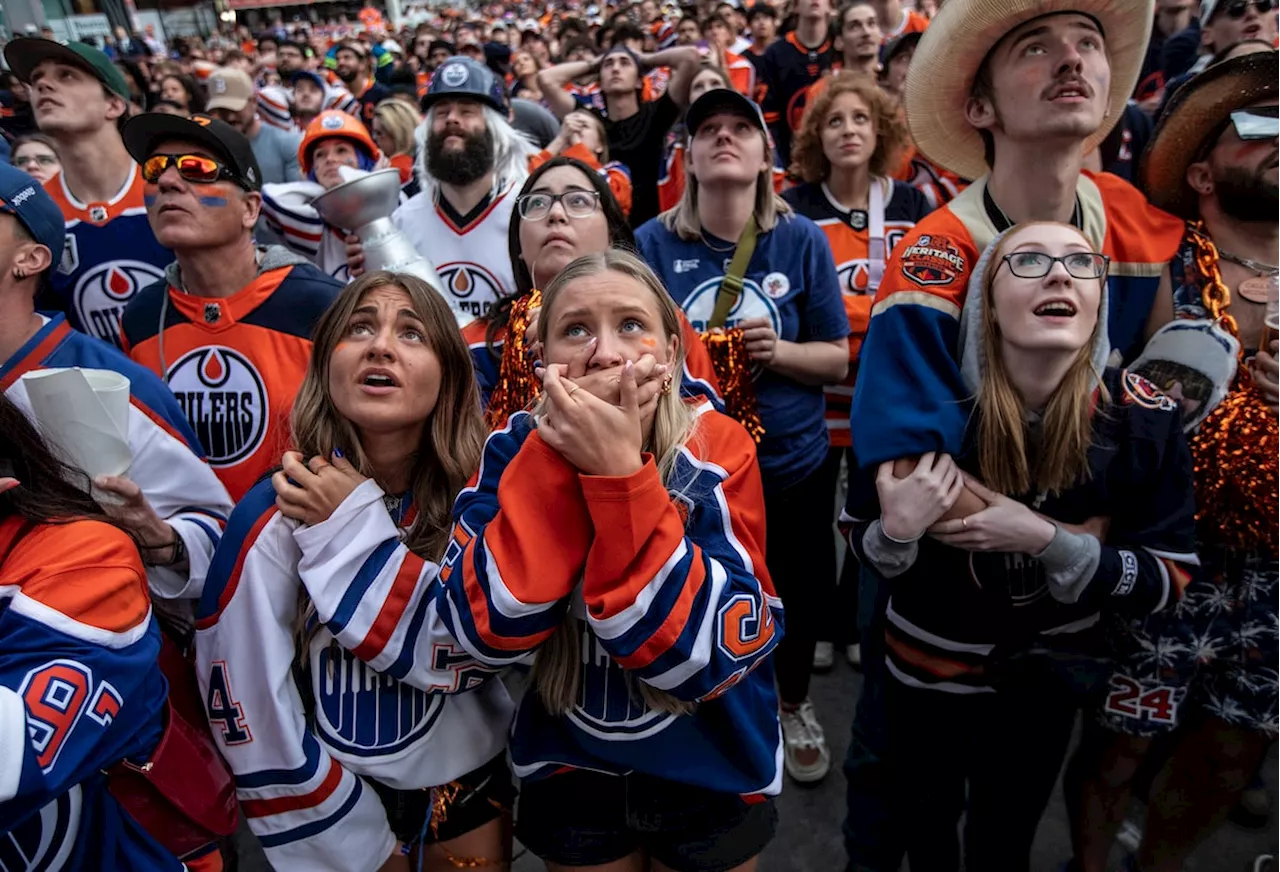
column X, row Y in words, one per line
column 1260, row 123
column 44, row 160
column 195, row 168
column 1240, row 8
column 577, row 204
column 1037, row 264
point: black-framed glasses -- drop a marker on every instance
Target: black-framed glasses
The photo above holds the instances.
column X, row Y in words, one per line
column 1261, row 122
column 195, row 168
column 1240, row 8
column 1037, row 264
column 577, row 204
column 44, row 160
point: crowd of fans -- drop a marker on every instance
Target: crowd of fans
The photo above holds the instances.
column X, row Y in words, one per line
column 545, row 543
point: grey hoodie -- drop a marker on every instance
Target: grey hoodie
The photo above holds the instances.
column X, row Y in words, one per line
column 270, row 257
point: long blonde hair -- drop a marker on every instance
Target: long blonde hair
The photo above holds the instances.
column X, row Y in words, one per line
column 454, row 435
column 683, row 218
column 557, row 669
column 399, row 119
column 1062, row 457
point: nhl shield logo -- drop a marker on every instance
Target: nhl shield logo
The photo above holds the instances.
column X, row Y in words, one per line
column 212, row 313
column 70, row 256
column 98, row 214
column 225, row 399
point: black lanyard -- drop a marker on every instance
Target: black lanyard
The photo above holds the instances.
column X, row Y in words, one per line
column 1002, row 223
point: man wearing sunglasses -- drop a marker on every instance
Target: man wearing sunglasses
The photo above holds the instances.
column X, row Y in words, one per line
column 230, row 325
column 1223, row 23
column 1212, row 160
column 79, row 98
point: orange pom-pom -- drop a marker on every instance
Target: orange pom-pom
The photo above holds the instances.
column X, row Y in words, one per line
column 1234, row 452
column 517, row 387
column 728, row 351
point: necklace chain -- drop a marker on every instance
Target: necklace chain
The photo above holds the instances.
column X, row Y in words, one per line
column 1247, row 263
column 707, row 243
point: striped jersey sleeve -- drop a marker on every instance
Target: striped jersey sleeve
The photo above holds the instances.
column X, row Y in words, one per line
column 380, row 600
column 306, row 809
column 288, row 212
column 521, row 536
column 676, row 586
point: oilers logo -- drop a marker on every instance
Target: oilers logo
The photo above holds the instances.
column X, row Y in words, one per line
column 225, row 399
column 363, row 713
column 44, row 840
column 753, row 302
column 102, row 293
column 609, row 702
column 470, row 287
column 1021, row 576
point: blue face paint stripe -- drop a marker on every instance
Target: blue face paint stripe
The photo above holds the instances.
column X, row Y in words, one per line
column 149, row 200
column 213, row 202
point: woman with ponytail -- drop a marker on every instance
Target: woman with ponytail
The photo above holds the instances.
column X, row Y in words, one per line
column 998, row 622
column 616, row 531
column 362, row 736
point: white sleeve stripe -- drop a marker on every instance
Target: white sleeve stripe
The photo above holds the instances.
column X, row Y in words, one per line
column 623, row 621
column 1164, row 586
column 700, row 654
column 56, row 620
column 1188, row 557
column 503, row 599
column 935, row 640
column 13, row 742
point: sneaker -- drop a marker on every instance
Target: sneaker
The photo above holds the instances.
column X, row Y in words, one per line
column 806, row 757
column 853, row 653
column 824, row 656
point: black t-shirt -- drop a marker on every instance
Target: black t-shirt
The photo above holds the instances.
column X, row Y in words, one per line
column 637, row 142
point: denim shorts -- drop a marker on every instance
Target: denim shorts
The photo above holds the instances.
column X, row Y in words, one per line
column 581, row 818
column 439, row 814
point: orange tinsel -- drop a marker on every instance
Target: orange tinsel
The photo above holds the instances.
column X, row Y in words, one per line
column 1234, row 451
column 729, row 357
column 517, row 386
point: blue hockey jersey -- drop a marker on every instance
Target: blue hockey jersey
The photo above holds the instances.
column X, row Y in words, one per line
column 669, row 585
column 79, row 692
column 792, row 281
column 168, row 462
column 110, row 255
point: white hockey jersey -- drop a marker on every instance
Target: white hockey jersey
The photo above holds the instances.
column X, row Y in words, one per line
column 472, row 259
column 385, row 680
column 287, row 208
column 168, row 462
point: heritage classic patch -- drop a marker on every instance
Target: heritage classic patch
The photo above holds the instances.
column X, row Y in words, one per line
column 932, row 260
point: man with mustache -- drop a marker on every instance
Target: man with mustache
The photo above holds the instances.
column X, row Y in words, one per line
column 1012, row 95
column 471, row 167
column 1212, row 161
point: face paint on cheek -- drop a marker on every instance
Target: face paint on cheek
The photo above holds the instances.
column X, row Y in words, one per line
column 649, row 342
column 214, row 202
column 149, row 200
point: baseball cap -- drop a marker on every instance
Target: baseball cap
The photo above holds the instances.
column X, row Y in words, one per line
column 229, row 88
column 722, row 100
column 311, row 76
column 898, row 45
column 144, row 132
column 462, row 77
column 23, row 55
column 26, row 199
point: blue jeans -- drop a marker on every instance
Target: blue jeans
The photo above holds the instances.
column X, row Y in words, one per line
column 872, row 839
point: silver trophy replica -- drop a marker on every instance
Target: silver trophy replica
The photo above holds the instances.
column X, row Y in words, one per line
column 364, row 204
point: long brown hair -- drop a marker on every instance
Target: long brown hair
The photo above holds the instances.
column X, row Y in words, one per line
column 808, row 160
column 1061, row 459
column 557, row 669
column 454, row 435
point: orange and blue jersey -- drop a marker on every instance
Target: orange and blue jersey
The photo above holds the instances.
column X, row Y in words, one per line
column 940, row 186
column 109, row 256
column 909, row 391
column 168, row 462
column 848, row 233
column 669, row 587
column 390, row 695
column 787, row 71
column 912, row 22
column 80, row 691
column 235, row 363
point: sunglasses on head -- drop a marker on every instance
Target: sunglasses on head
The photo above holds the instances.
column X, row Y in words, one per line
column 1240, row 8
column 195, row 168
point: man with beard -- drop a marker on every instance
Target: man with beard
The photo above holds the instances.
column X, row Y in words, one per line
column 1212, row 161
column 472, row 165
column 355, row 68
column 859, row 37
column 290, row 58
column 636, row 129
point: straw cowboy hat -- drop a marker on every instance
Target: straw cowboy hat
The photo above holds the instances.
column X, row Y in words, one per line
column 1200, row 107
column 959, row 39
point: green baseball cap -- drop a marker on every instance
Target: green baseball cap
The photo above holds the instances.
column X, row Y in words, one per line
column 24, row 54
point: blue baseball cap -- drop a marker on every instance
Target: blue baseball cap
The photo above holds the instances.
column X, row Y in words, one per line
column 25, row 198
column 462, row 77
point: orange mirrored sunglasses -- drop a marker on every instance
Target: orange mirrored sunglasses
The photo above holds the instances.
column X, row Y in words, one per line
column 194, row 168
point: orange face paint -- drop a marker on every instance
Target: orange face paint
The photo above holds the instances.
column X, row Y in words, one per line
column 649, row 342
